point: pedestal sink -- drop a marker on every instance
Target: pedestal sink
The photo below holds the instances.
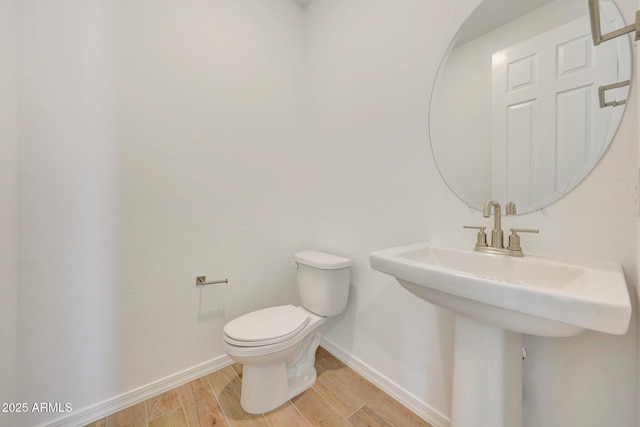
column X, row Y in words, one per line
column 498, row 298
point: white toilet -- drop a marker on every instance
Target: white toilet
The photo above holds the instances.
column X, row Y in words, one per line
column 277, row 345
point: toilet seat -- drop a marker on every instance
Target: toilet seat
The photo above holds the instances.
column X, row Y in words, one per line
column 268, row 326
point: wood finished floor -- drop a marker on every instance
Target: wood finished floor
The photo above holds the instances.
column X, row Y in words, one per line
column 339, row 398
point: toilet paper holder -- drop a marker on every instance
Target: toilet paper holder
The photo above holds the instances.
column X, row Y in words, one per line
column 202, row 281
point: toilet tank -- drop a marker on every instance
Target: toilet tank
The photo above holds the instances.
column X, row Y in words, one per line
column 323, row 282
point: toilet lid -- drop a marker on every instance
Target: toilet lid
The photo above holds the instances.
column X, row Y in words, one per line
column 267, row 326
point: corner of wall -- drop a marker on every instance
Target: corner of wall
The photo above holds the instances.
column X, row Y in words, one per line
column 8, row 202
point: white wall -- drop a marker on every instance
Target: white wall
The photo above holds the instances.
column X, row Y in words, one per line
column 160, row 141
column 67, row 328
column 209, row 103
column 8, row 201
column 372, row 65
column 157, row 146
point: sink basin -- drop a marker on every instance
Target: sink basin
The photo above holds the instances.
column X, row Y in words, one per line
column 532, row 295
column 496, row 299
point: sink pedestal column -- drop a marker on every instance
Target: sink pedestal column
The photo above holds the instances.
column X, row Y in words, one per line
column 487, row 376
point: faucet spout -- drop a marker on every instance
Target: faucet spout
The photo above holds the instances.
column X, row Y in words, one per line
column 497, row 240
column 497, row 235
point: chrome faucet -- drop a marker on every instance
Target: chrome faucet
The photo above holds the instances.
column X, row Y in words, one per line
column 497, row 235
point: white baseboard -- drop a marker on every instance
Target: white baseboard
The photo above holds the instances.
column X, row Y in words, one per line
column 112, row 405
column 417, row 406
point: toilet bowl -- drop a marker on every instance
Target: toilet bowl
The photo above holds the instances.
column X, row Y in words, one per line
column 277, row 345
column 275, row 368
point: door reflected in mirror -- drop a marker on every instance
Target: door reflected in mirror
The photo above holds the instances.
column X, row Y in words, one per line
column 515, row 114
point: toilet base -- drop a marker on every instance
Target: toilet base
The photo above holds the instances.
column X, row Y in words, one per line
column 297, row 385
column 264, row 388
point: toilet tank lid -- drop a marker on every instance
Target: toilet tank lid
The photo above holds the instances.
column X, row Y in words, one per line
column 322, row 260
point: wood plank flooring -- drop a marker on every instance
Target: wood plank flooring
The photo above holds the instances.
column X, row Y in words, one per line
column 339, row 398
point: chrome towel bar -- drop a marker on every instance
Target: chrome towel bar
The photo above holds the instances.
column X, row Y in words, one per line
column 596, row 30
column 598, row 37
column 603, row 89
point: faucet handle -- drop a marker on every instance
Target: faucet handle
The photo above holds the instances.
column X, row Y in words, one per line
column 511, row 209
column 514, row 239
column 524, row 230
column 481, row 239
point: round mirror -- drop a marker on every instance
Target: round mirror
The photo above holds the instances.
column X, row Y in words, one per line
column 515, row 111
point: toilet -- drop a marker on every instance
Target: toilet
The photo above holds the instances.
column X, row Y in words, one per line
column 277, row 345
